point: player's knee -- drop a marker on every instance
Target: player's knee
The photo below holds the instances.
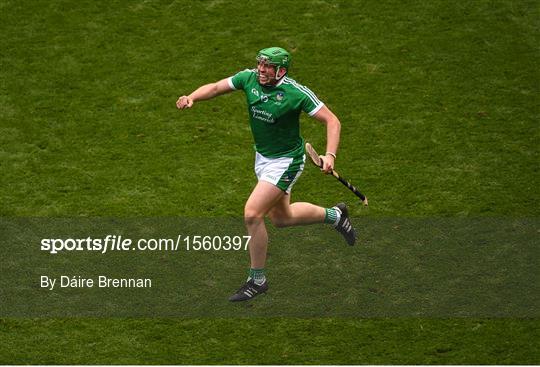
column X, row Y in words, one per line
column 252, row 215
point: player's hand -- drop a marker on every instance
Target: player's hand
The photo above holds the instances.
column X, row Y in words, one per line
column 327, row 163
column 184, row 102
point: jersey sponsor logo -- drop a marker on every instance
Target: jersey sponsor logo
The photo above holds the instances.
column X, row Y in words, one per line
column 262, row 115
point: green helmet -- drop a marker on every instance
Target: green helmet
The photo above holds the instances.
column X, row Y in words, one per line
column 275, row 56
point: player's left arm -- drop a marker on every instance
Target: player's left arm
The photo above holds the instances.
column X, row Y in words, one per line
column 333, row 129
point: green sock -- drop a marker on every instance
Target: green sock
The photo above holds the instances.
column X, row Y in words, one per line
column 257, row 275
column 332, row 216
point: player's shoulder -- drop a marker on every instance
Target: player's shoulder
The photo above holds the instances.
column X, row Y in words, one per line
column 247, row 75
column 297, row 88
column 293, row 85
column 248, row 71
column 242, row 79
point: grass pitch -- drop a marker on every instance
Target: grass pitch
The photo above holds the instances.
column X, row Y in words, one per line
column 439, row 106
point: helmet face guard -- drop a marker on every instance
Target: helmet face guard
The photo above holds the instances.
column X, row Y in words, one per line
column 276, row 56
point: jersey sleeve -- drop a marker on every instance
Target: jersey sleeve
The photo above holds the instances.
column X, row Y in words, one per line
column 239, row 80
column 310, row 103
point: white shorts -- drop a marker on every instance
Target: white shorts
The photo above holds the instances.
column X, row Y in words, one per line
column 281, row 172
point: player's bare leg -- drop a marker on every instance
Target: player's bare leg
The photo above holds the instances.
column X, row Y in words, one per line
column 284, row 214
column 263, row 197
column 267, row 199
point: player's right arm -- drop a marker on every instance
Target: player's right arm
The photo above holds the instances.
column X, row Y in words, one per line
column 204, row 92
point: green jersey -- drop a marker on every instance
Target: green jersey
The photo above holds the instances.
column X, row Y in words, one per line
column 274, row 113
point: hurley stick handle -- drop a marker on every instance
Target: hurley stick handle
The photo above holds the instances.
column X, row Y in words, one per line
column 316, row 159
